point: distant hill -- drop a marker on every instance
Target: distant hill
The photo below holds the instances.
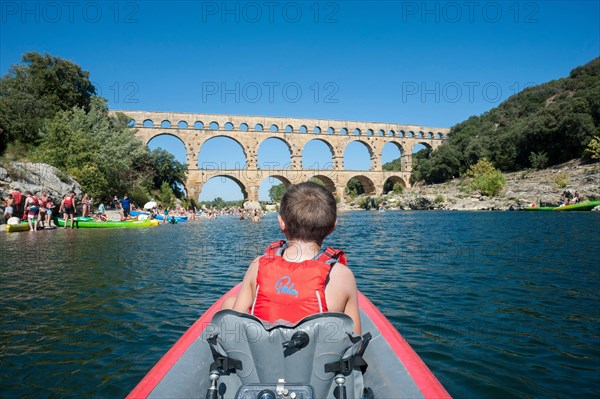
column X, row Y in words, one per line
column 541, row 126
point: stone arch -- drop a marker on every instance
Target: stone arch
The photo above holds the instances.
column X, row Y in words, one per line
column 438, row 136
column 366, row 145
column 228, row 126
column 244, row 127
column 270, row 181
column 389, row 183
column 259, row 127
column 182, row 125
column 389, row 144
column 172, row 134
column 365, row 182
column 198, row 125
column 320, row 165
column 237, row 181
column 289, row 129
column 317, row 130
column 274, row 128
column 214, row 125
column 303, row 129
column 357, row 132
column 173, row 144
column 216, row 165
column 286, row 165
column 330, row 130
column 148, row 123
column 401, row 133
column 421, row 143
column 131, row 123
column 165, row 124
column 391, row 133
column 344, row 131
column 327, row 182
column 369, row 132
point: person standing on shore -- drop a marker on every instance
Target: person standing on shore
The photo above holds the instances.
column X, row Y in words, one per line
column 85, row 209
column 49, row 205
column 9, row 209
column 125, row 206
column 42, row 199
column 32, row 208
column 68, row 206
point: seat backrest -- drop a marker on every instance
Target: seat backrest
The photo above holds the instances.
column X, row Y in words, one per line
column 264, row 359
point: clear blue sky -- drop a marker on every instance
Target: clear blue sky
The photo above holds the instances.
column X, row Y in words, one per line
column 427, row 63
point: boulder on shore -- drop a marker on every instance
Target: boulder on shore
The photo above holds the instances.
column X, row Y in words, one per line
column 36, row 177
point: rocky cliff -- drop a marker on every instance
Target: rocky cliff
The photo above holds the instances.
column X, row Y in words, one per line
column 522, row 189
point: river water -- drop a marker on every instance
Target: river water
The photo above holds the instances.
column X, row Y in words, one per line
column 497, row 304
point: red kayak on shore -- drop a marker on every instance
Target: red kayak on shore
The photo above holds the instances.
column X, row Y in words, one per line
column 226, row 354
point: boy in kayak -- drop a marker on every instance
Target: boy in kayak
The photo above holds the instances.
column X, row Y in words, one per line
column 294, row 279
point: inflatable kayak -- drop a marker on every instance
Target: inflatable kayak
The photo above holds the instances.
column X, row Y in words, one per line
column 159, row 216
column 90, row 223
column 582, row 206
column 539, row 208
column 12, row 228
column 227, row 354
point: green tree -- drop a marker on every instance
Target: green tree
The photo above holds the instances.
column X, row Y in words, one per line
column 168, row 169
column 354, row 188
column 276, row 192
column 100, row 151
column 35, row 91
column 538, row 160
column 485, row 178
column 592, row 150
column 395, row 165
column 166, row 195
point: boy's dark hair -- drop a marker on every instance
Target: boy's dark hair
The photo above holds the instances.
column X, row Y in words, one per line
column 309, row 211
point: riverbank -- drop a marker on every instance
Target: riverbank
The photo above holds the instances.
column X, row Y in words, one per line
column 542, row 187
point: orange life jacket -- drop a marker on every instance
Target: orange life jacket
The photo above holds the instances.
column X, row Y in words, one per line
column 68, row 201
column 292, row 290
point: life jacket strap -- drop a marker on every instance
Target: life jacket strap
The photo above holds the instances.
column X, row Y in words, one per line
column 329, row 256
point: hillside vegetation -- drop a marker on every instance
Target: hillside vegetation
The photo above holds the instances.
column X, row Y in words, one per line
column 541, row 126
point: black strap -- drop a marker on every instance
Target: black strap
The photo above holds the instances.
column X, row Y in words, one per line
column 222, row 363
column 350, row 363
column 346, row 365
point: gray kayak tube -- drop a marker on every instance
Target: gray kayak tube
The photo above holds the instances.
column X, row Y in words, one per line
column 227, row 354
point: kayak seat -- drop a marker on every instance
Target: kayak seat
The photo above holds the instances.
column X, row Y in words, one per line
column 314, row 351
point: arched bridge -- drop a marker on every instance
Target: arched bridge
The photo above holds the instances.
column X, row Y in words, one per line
column 250, row 131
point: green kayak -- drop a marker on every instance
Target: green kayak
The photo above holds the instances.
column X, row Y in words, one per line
column 90, row 223
column 539, row 208
column 582, row 206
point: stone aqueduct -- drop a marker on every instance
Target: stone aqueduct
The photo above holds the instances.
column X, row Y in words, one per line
column 250, row 131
